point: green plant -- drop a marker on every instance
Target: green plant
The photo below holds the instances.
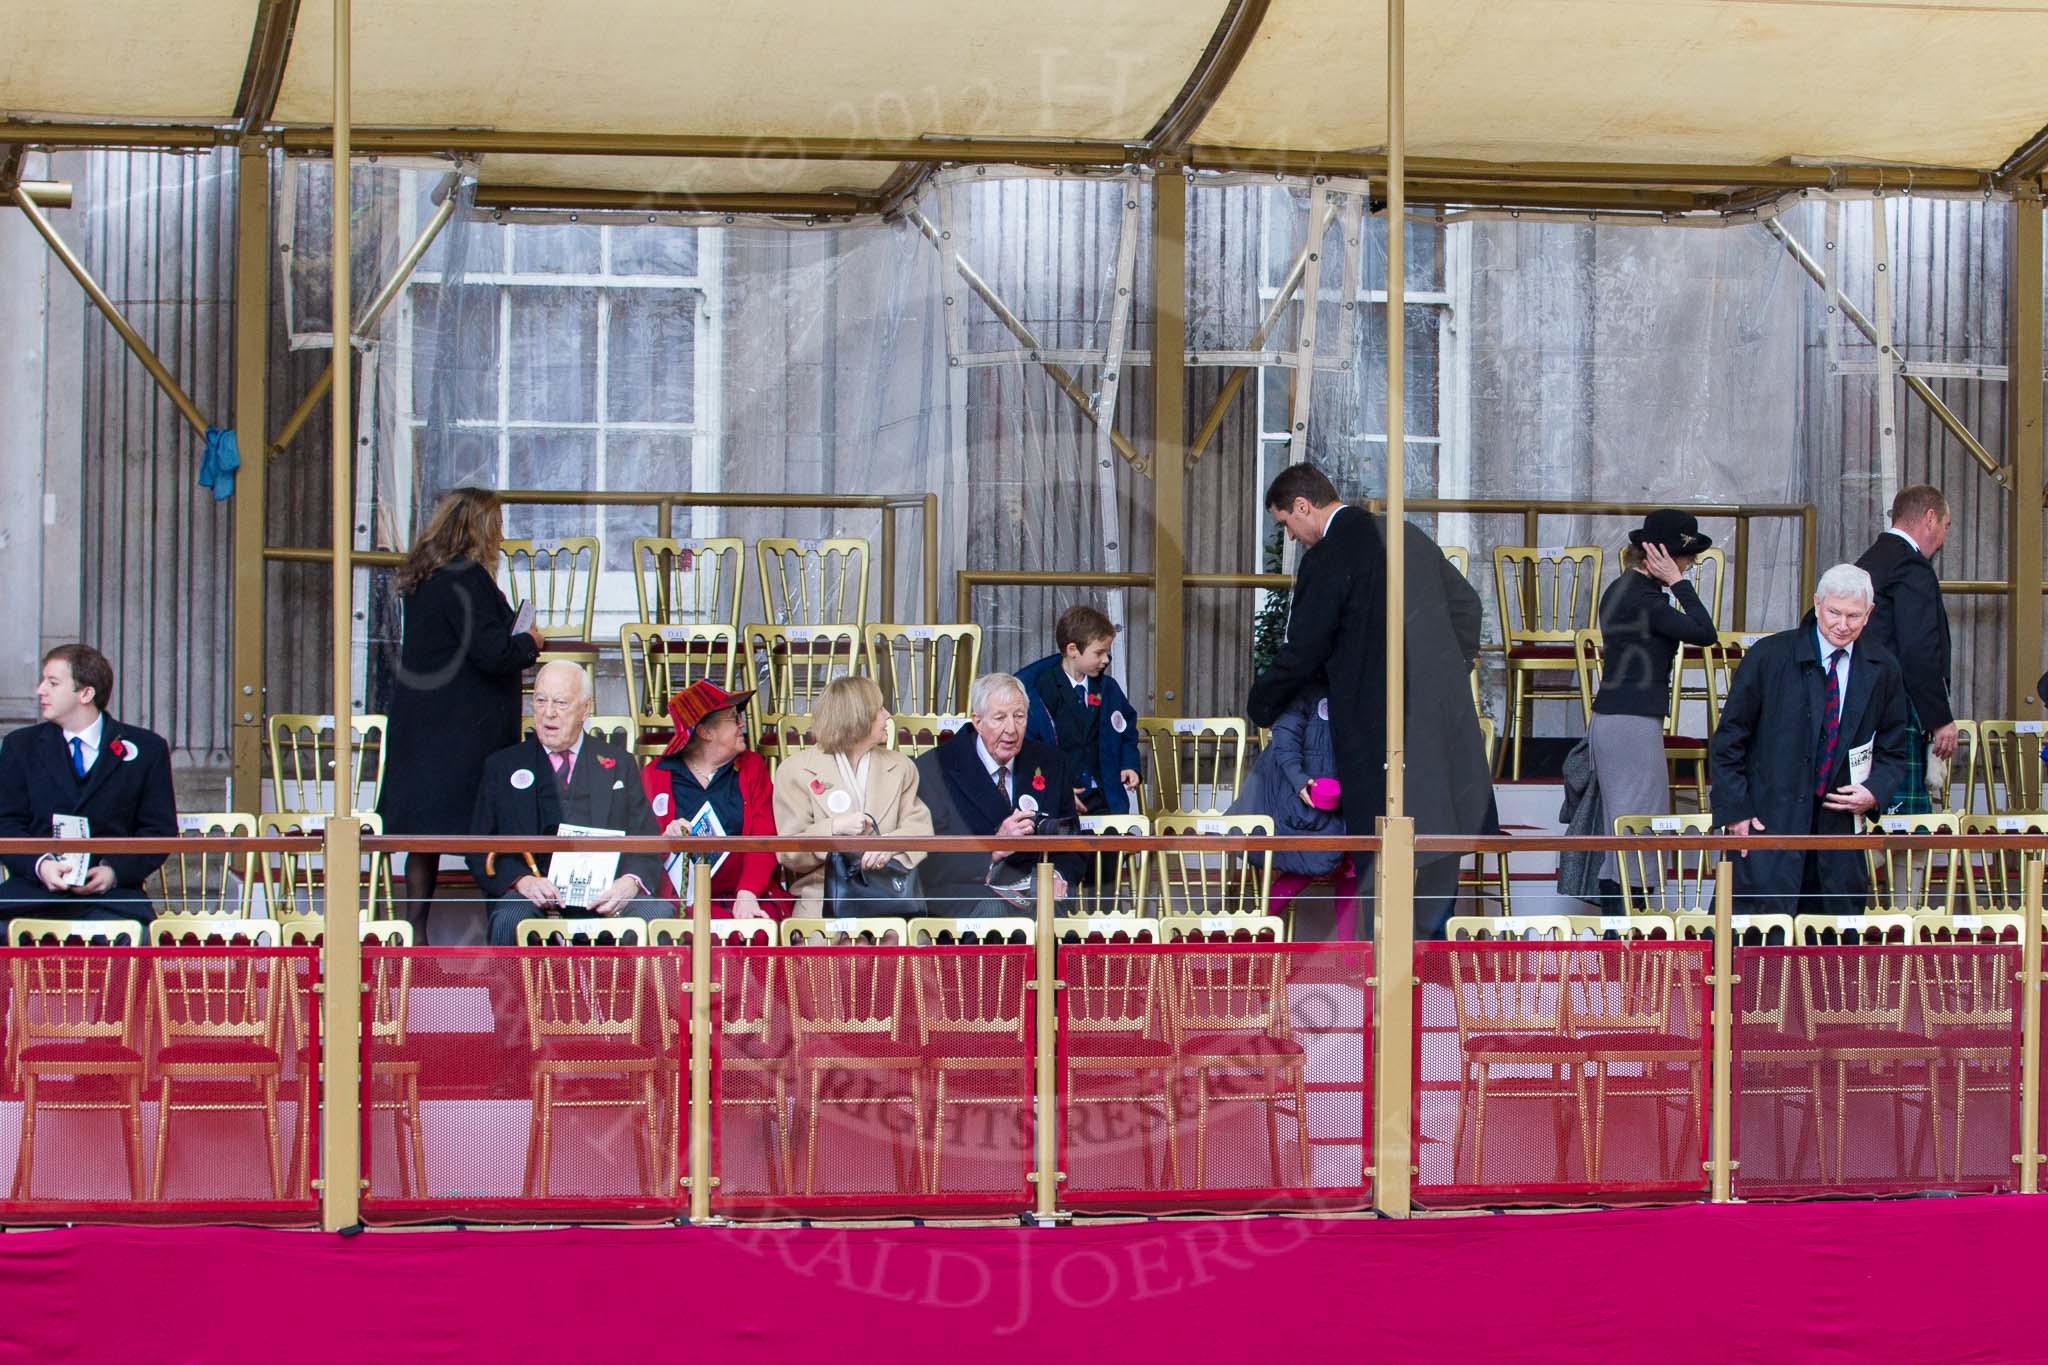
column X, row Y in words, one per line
column 1269, row 623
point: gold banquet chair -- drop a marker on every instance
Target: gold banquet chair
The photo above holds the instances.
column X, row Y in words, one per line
column 1229, row 1011
column 1545, row 596
column 305, row 760
column 1997, row 876
column 1620, row 1007
column 559, row 576
column 847, row 1017
column 1199, row 883
column 294, row 883
column 1966, row 1006
column 814, row 582
column 202, row 882
column 75, row 1035
column 1675, row 883
column 753, row 1053
column 1117, row 882
column 911, row 735
column 1193, row 766
column 1907, row 881
column 924, row 670
column 586, row 1025
column 1116, row 1025
column 973, row 1015
column 2010, row 764
column 1509, row 1003
column 217, row 1012
column 796, row 664
column 689, row 581
column 661, row 660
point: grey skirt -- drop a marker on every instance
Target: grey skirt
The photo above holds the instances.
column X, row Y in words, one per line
column 1628, row 758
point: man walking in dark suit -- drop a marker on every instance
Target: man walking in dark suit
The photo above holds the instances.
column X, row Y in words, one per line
column 1909, row 622
column 1336, row 636
column 1813, row 735
column 81, row 761
column 990, row 781
column 559, row 776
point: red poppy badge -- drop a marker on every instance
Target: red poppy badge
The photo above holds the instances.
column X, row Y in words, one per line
column 817, row 787
column 1037, row 780
column 1095, row 699
column 117, row 749
column 604, row 762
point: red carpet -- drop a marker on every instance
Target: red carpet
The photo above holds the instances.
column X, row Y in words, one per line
column 1920, row 1281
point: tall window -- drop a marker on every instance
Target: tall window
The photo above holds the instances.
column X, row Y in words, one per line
column 590, row 362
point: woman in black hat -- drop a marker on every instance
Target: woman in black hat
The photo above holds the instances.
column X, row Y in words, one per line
column 1641, row 629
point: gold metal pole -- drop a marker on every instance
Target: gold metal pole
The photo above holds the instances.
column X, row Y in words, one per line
column 344, row 345
column 1393, row 1009
column 1397, row 379
column 1719, row 1165
column 2030, row 1029
column 1169, row 432
column 129, row 336
column 2023, row 453
column 341, row 1021
column 1738, row 565
column 930, row 530
column 886, row 554
column 341, row 459
column 1046, row 1175
column 252, row 351
column 701, row 1179
column 1809, row 554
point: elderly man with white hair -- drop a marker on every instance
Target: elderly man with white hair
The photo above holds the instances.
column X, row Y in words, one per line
column 989, row 780
column 558, row 776
column 1813, row 735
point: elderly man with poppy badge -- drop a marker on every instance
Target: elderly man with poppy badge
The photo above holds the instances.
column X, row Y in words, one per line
column 557, row 776
column 990, row 781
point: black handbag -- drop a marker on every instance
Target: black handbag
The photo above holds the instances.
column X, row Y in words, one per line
column 892, row 889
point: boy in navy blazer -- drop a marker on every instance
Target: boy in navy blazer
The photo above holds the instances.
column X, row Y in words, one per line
column 1078, row 708
column 81, row 761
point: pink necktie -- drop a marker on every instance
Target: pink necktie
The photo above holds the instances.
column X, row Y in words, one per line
column 565, row 763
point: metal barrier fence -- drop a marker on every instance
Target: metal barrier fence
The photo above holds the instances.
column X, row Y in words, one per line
column 740, row 1078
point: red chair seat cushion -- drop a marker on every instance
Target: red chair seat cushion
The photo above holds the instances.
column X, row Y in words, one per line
column 220, row 1052
column 82, row 1053
column 1644, row 1040
column 1561, row 653
column 1978, row 1038
column 987, row 1046
column 870, row 1047
column 1870, row 1039
column 1684, row 743
column 1200, row 1045
column 1531, row 1043
column 1095, row 1046
column 1758, row 1038
column 593, row 1050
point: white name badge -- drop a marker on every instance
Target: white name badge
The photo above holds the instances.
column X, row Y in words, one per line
column 1752, row 637
column 1117, row 722
column 1026, row 803
column 2030, row 727
column 1213, row 924
column 1188, row 727
column 842, row 926
column 1666, row 824
column 1323, row 709
column 522, row 779
column 1896, row 824
column 1213, row 827
column 661, row 804
column 313, row 824
column 839, row 803
column 1859, row 761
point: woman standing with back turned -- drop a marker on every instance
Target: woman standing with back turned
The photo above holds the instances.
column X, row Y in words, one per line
column 455, row 692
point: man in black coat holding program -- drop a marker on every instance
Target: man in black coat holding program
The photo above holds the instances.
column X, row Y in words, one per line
column 81, row 761
column 1909, row 622
column 1812, row 736
column 1336, row 635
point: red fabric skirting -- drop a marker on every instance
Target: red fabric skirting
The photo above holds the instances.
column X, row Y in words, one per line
column 1840, row 1281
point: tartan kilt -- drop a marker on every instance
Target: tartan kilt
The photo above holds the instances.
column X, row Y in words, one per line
column 1912, row 797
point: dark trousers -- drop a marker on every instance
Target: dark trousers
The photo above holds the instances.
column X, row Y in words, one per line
column 27, row 898
column 509, row 909
column 1436, row 899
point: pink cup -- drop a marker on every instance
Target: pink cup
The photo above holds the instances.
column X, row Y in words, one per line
column 1325, row 793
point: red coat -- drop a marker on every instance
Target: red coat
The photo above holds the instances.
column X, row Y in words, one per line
column 755, row 872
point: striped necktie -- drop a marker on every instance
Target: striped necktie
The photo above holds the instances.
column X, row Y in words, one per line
column 1831, row 727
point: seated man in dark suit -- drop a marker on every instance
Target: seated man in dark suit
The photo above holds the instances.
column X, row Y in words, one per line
column 990, row 781
column 1812, row 736
column 559, row 776
column 81, row 761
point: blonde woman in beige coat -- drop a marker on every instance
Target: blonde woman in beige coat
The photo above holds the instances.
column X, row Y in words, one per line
column 849, row 784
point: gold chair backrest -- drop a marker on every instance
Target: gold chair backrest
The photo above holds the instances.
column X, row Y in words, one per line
column 109, row 933
column 745, row 998
column 1906, row 881
column 1997, row 876
column 1968, row 990
column 1813, row 930
column 2011, row 764
column 215, row 994
column 623, row 731
column 583, row 996
column 1633, row 927
column 1588, row 656
column 777, row 736
column 1106, row 928
column 924, row 670
column 592, row 930
column 1965, row 766
column 559, row 576
column 662, row 660
column 846, row 993
column 1851, row 987
column 1501, row 988
column 912, row 735
column 1608, row 990
column 180, row 929
column 1748, row 930
column 1665, row 883
column 969, row 994
column 202, row 882
column 1460, row 557
column 1222, row 929
column 796, row 663
column 303, row 758
column 72, row 997
column 1545, row 594
column 689, row 581
column 1117, row 882
column 301, row 931
column 1481, row 928
column 1707, row 574
column 946, row 931
column 1719, row 662
column 1931, row 926
column 1193, row 765
column 1110, row 992
column 814, row 931
column 725, row 933
column 814, row 582
column 293, row 883
column 1203, row 884
column 1231, row 991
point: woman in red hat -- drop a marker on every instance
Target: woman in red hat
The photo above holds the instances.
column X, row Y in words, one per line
column 708, row 782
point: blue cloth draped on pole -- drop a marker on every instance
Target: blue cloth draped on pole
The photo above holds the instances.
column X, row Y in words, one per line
column 223, row 458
